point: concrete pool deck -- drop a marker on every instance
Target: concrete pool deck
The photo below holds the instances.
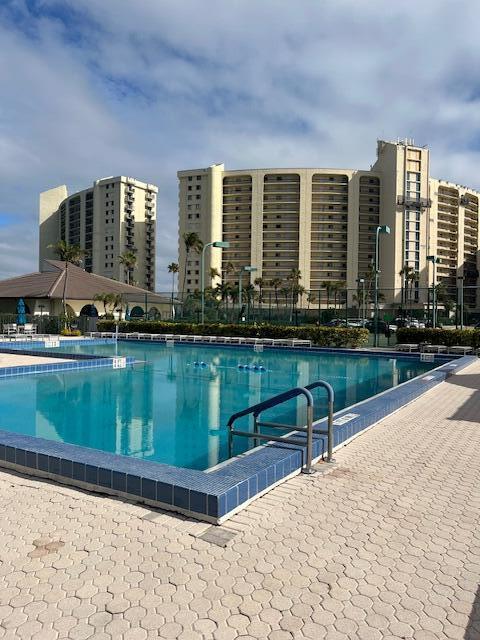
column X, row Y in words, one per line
column 384, row 545
column 21, row 360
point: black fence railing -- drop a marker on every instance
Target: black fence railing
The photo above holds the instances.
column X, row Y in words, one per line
column 444, row 306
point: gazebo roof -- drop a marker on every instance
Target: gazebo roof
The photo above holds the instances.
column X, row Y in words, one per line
column 81, row 285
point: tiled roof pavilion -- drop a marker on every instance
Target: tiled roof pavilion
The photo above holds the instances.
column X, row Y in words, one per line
column 81, row 285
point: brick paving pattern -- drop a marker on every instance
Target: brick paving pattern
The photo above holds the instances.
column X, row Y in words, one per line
column 384, row 545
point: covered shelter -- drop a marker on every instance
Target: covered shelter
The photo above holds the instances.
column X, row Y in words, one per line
column 42, row 293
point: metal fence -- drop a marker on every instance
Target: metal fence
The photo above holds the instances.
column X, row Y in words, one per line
column 49, row 325
column 442, row 306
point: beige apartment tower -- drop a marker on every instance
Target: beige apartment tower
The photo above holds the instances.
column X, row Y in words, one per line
column 114, row 216
column 323, row 222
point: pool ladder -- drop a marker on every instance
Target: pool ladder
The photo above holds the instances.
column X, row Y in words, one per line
column 310, row 430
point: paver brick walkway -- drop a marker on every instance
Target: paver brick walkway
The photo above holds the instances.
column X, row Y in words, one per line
column 386, row 545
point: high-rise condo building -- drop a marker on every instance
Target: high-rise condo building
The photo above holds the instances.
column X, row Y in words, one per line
column 324, row 221
column 114, row 216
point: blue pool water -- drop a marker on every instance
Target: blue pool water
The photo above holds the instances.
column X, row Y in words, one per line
column 170, row 408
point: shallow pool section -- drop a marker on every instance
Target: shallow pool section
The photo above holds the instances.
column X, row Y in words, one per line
column 173, row 405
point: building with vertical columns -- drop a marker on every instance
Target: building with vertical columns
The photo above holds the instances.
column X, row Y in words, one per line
column 114, row 216
column 323, row 222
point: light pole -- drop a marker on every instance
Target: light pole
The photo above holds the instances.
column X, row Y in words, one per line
column 460, row 298
column 386, row 230
column 247, row 269
column 434, row 260
column 362, row 282
column 216, row 245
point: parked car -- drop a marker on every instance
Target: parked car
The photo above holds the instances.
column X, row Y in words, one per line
column 335, row 322
column 382, row 327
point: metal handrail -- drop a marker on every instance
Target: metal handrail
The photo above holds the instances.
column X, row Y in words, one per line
column 331, row 400
column 258, row 408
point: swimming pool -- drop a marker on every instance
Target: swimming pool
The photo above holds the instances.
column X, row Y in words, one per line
column 173, row 405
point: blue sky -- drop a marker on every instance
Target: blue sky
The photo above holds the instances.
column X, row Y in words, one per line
column 94, row 88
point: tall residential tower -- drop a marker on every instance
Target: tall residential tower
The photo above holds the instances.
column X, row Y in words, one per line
column 114, row 216
column 323, row 222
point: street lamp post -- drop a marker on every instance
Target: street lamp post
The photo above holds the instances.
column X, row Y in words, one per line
column 362, row 282
column 461, row 280
column 216, row 245
column 434, row 260
column 247, row 269
column 386, row 230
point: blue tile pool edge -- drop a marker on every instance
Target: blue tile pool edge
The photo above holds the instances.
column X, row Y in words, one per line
column 212, row 495
column 79, row 360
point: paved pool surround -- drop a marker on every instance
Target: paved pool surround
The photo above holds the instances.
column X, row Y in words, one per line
column 216, row 494
column 77, row 360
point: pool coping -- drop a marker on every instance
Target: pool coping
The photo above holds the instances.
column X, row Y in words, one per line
column 214, row 494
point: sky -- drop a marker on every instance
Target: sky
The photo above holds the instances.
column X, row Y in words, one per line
column 144, row 88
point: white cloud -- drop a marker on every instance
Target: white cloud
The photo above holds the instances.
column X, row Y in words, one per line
column 146, row 88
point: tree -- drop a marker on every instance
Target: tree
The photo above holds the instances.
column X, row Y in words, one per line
column 411, row 277
column 329, row 286
column 443, row 297
column 214, row 273
column 118, row 302
column 311, row 299
column 129, row 261
column 276, row 283
column 337, row 287
column 285, row 291
column 107, row 299
column 69, row 254
column 224, row 290
column 294, row 278
column 228, row 269
column 405, row 274
column 260, row 283
column 173, row 269
column 193, row 243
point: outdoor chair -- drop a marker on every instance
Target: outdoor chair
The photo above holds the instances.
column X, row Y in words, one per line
column 434, row 348
column 407, row 347
column 461, row 349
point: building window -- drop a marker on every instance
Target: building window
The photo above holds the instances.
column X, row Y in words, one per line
column 190, row 178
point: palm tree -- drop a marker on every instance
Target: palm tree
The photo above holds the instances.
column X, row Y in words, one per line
column 285, row 291
column 228, row 269
column 260, row 283
column 214, row 273
column 69, row 254
column 412, row 277
column 224, row 290
column 337, row 287
column 311, row 299
column 193, row 243
column 276, row 283
column 107, row 299
column 250, row 293
column 118, row 303
column 405, row 273
column 129, row 260
column 173, row 269
column 329, row 286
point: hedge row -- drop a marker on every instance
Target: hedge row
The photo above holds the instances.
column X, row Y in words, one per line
column 320, row 336
column 448, row 337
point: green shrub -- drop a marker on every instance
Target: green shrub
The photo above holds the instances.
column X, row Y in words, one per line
column 70, row 332
column 447, row 337
column 320, row 336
